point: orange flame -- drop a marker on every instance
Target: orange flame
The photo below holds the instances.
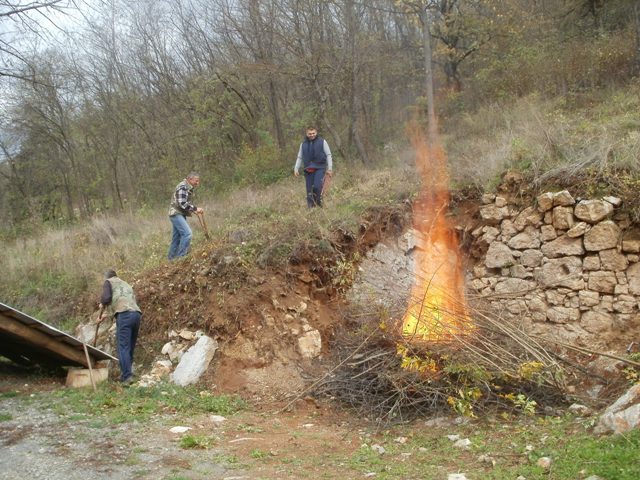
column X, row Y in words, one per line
column 438, row 310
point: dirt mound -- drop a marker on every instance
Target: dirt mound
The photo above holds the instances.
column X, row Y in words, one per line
column 258, row 311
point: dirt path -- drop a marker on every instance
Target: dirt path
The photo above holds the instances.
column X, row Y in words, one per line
column 39, row 442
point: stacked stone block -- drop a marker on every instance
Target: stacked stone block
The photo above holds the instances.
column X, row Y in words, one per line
column 561, row 266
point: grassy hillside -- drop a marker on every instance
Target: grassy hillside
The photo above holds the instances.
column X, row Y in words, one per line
column 593, row 147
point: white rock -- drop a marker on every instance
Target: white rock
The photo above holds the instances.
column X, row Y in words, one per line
column 544, row 462
column 217, row 420
column 186, row 334
column 195, row 361
column 379, row 449
column 179, row 429
column 310, row 343
column 453, row 438
column 456, row 476
column 580, row 409
column 464, row 443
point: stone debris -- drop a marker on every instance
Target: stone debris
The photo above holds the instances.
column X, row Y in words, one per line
column 487, row 459
column 580, row 409
column 623, row 415
column 195, row 361
column 463, row 444
column 544, row 462
column 217, row 420
column 456, row 476
column 379, row 449
column 179, row 429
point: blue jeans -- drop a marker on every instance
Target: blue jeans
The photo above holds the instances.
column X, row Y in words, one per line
column 314, row 187
column 181, row 239
column 127, row 326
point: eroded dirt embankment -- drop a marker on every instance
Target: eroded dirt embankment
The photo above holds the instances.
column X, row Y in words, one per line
column 260, row 314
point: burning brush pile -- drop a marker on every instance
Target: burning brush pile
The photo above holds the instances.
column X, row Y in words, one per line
column 441, row 354
column 484, row 363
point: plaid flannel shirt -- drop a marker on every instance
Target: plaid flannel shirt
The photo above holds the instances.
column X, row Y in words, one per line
column 182, row 197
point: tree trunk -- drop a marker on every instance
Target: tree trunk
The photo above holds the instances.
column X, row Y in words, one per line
column 428, row 67
column 636, row 22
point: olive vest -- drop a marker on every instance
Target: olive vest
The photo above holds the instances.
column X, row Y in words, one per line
column 122, row 298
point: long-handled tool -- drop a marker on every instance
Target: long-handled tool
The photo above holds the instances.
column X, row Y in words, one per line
column 203, row 224
column 95, row 337
column 326, row 183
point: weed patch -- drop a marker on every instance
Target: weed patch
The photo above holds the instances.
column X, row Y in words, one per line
column 197, row 441
column 119, row 406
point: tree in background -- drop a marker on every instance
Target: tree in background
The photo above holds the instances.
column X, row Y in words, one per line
column 141, row 92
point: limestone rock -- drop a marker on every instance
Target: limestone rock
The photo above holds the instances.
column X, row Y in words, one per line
column 563, row 199
column 612, row 260
column 593, row 211
column 563, row 218
column 514, row 285
column 499, row 256
column 602, row 236
column 500, row 202
column 596, row 322
column 492, row 214
column 547, row 233
column 195, row 361
column 578, row 230
column 562, row 272
column 601, row 281
column 623, row 415
column 508, row 229
column 310, row 344
column 529, row 216
column 487, row 198
column 633, row 279
column 524, row 240
column 615, row 201
column 563, row 246
column 591, row 262
column 531, row 258
column 563, row 314
column 588, row 298
column 545, row 202
column 631, row 246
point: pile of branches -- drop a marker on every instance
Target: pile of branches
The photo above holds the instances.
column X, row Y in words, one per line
column 484, row 362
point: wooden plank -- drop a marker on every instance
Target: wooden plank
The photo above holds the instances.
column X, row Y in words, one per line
column 41, row 340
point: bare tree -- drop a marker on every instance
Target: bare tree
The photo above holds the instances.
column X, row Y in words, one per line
column 18, row 19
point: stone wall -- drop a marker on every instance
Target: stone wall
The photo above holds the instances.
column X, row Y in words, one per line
column 563, row 267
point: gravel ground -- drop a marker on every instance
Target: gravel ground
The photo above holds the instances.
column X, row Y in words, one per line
column 39, row 444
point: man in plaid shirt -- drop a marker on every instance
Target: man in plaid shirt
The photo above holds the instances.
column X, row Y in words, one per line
column 181, row 208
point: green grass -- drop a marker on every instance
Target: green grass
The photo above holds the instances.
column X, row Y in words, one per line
column 114, row 405
column 197, row 442
column 5, row 417
column 259, row 454
column 515, row 446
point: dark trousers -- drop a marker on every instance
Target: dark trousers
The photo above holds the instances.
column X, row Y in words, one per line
column 314, row 187
column 127, row 326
